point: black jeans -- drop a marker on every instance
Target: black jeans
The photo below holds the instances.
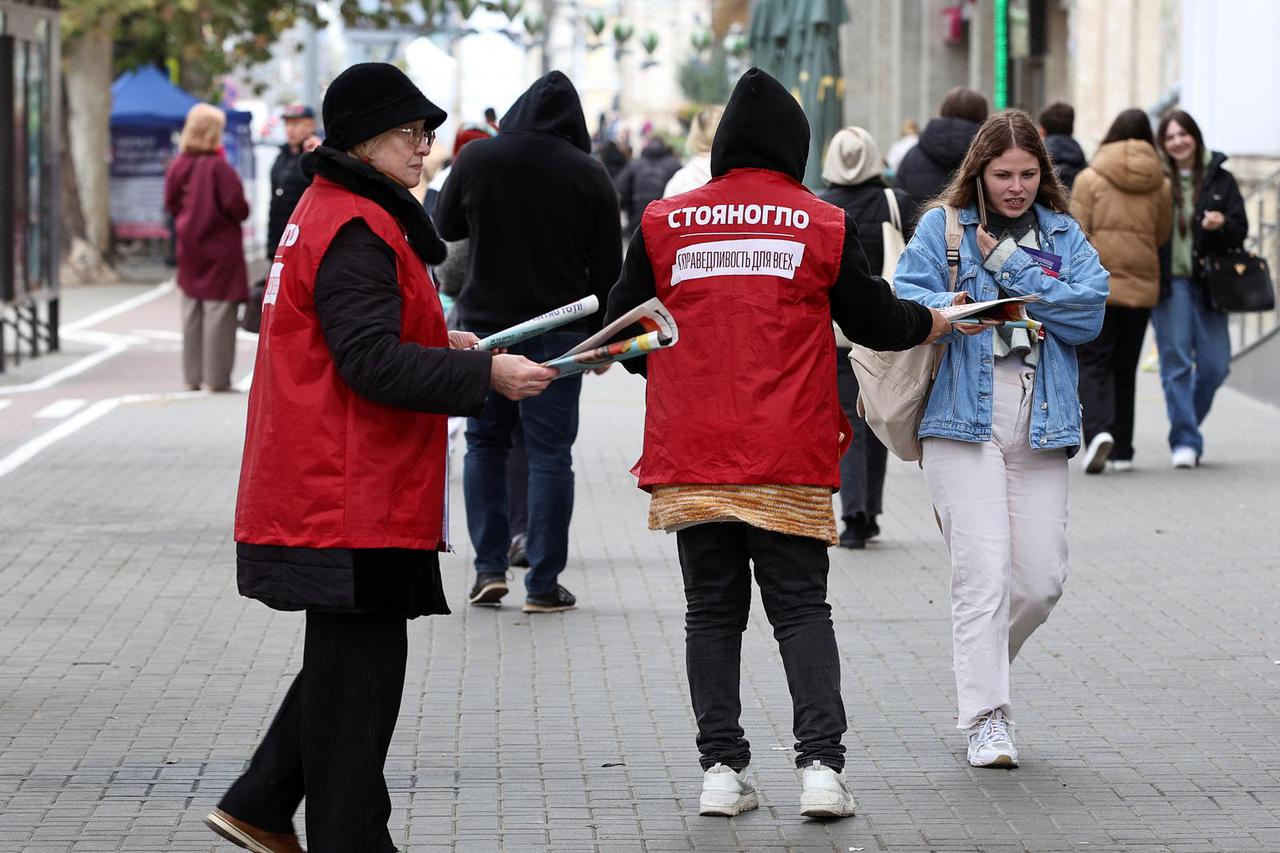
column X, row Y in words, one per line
column 716, row 560
column 329, row 740
column 1108, row 377
column 863, row 465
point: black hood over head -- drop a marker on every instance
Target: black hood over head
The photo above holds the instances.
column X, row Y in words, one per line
column 762, row 128
column 551, row 105
column 946, row 140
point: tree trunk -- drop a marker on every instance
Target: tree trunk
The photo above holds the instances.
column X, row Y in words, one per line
column 72, row 216
column 87, row 71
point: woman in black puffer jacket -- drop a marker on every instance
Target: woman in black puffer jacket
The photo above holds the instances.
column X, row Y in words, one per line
column 854, row 174
column 1208, row 218
column 926, row 169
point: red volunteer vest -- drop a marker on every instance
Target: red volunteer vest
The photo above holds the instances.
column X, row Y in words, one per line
column 324, row 467
column 748, row 396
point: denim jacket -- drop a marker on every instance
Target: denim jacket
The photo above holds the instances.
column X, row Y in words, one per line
column 1070, row 307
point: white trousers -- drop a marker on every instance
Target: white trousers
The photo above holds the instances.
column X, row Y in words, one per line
column 1003, row 508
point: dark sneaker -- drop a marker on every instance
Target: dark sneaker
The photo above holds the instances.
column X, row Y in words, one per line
column 856, row 532
column 851, row 538
column 251, row 837
column 550, row 602
column 873, row 528
column 516, row 554
column 488, row 591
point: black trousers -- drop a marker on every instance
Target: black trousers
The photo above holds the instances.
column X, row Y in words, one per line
column 1108, row 377
column 716, row 560
column 863, row 465
column 329, row 739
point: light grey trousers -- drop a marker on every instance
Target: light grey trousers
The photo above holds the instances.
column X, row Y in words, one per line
column 1003, row 508
column 208, row 342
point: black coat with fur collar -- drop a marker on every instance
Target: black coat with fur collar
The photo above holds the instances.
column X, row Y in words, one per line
column 358, row 303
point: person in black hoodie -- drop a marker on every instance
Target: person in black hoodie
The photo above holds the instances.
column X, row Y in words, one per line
column 854, row 174
column 743, row 425
column 1191, row 335
column 541, row 214
column 1057, row 123
column 644, row 179
column 926, row 169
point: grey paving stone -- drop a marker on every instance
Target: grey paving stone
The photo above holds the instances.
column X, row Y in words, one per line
column 134, row 682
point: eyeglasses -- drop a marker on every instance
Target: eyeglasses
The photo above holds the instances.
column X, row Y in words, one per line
column 415, row 136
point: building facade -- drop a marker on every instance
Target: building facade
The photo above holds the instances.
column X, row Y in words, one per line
column 30, row 134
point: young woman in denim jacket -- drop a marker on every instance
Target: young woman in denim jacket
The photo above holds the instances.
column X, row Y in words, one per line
column 1004, row 415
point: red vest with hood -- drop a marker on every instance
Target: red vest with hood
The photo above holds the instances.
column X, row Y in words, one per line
column 324, row 467
column 745, row 264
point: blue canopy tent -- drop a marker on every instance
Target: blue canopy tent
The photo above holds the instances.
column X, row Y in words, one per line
column 147, row 113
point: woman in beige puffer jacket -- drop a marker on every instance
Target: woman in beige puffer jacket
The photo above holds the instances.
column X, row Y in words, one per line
column 1124, row 204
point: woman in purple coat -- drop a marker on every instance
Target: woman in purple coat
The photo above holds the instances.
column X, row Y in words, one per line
column 206, row 199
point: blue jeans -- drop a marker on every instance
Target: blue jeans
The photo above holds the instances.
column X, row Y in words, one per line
column 550, row 424
column 1195, row 357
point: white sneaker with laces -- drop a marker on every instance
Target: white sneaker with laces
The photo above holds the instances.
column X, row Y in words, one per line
column 726, row 793
column 1095, row 455
column 991, row 742
column 825, row 793
column 1185, row 457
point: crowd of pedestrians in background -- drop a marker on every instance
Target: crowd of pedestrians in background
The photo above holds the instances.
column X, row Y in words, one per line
column 532, row 212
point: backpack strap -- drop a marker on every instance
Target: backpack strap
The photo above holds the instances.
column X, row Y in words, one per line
column 954, row 234
column 895, row 217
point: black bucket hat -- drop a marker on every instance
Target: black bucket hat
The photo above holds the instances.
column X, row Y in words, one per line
column 369, row 98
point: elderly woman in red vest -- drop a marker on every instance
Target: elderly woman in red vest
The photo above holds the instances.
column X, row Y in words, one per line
column 342, row 487
column 204, row 196
column 743, row 426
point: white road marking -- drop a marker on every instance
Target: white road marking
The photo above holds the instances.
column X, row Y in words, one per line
column 26, row 452
column 120, row 307
column 74, row 369
column 157, row 334
column 61, row 409
column 4, row 404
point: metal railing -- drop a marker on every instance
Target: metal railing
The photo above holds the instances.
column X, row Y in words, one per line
column 1263, row 207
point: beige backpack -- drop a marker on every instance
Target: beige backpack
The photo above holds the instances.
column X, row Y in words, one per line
column 893, row 387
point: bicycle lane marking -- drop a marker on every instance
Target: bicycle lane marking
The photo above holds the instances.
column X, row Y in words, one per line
column 24, row 453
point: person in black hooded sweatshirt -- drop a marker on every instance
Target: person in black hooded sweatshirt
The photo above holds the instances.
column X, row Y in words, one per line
column 743, row 426
column 542, row 217
column 926, row 169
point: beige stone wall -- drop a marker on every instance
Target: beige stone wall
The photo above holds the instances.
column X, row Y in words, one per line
column 1125, row 54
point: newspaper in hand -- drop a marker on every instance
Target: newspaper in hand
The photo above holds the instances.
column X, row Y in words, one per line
column 993, row 312
column 646, row 328
column 574, row 363
column 542, row 323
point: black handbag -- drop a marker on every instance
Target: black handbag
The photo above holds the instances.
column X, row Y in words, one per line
column 251, row 313
column 1239, row 281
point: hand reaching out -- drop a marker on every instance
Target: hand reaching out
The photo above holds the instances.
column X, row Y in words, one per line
column 516, row 377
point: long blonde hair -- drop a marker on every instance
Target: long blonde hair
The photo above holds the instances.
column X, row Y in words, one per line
column 1000, row 132
column 202, row 131
column 702, row 130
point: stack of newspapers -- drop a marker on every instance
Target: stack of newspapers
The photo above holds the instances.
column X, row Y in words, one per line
column 646, row 328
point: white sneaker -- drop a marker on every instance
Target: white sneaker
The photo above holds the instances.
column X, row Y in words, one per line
column 991, row 743
column 1120, row 466
column 825, row 793
column 1095, row 455
column 1185, row 457
column 726, row 793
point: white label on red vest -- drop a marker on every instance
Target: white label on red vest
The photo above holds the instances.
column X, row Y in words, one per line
column 756, row 256
column 273, row 284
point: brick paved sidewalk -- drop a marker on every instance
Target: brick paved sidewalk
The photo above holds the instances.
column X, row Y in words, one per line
column 134, row 682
